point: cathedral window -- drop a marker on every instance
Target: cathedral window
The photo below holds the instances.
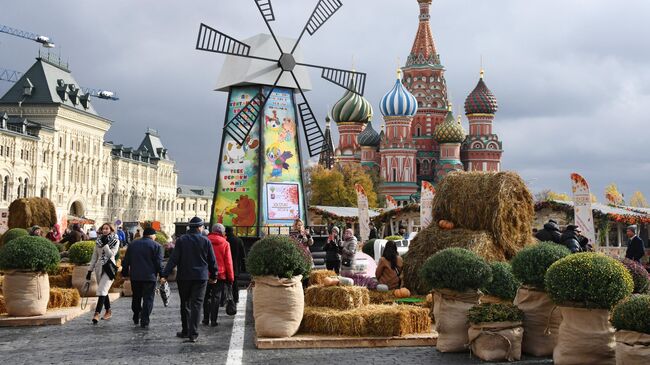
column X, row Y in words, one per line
column 425, row 166
column 418, row 169
column 5, row 188
column 418, row 131
column 25, row 188
column 394, row 174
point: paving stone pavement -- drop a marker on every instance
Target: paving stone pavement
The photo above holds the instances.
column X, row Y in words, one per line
column 118, row 341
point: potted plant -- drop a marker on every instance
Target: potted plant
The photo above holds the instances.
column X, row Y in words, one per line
column 631, row 318
column 80, row 255
column 455, row 274
column 639, row 274
column 586, row 286
column 541, row 322
column 277, row 267
column 25, row 261
column 13, row 234
column 503, row 287
column 496, row 331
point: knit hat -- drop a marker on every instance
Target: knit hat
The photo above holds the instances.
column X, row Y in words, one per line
column 34, row 229
column 196, row 222
column 149, row 232
column 218, row 228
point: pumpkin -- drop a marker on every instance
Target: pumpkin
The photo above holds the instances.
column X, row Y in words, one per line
column 330, row 281
column 429, row 298
column 444, row 224
column 402, row 293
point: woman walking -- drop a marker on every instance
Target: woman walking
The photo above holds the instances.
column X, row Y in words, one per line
column 105, row 268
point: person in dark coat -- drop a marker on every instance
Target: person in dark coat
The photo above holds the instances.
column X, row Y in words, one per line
column 194, row 256
column 142, row 263
column 238, row 253
column 373, row 232
column 571, row 238
column 76, row 235
column 635, row 247
column 550, row 232
column 333, row 251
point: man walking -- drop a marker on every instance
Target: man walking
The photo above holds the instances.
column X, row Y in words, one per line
column 195, row 259
column 635, row 248
column 142, row 262
column 216, row 293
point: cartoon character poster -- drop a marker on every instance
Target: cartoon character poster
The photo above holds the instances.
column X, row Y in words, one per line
column 236, row 197
column 281, row 174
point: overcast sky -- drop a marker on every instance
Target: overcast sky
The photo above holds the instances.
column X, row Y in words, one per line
column 571, row 76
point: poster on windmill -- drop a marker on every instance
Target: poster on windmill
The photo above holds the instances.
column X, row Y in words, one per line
column 281, row 172
column 236, row 195
column 582, row 207
column 426, row 204
column 364, row 215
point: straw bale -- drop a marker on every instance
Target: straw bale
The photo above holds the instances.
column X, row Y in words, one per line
column 63, row 298
column 433, row 239
column 2, row 280
column 337, row 297
column 381, row 297
column 316, row 277
column 3, row 306
column 65, row 269
column 372, row 320
column 61, row 281
column 27, row 212
column 496, row 202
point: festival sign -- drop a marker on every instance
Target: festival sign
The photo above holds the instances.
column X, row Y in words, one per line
column 582, row 207
column 391, row 203
column 364, row 215
column 283, row 201
column 426, row 204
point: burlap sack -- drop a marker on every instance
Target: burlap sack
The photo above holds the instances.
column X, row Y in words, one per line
column 450, row 309
column 494, row 300
column 26, row 293
column 585, row 337
column 278, row 306
column 79, row 279
column 497, row 341
column 541, row 321
column 632, row 348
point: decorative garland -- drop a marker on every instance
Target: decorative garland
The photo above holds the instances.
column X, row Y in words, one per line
column 628, row 219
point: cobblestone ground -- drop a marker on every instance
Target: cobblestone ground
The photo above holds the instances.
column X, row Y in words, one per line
column 118, row 341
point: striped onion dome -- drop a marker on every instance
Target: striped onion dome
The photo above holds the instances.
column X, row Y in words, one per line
column 398, row 102
column 481, row 100
column 369, row 137
column 352, row 107
column 449, row 131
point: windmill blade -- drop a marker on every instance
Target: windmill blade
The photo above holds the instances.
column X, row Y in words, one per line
column 9, row 75
column 241, row 125
column 350, row 80
column 314, row 136
column 265, row 8
column 322, row 12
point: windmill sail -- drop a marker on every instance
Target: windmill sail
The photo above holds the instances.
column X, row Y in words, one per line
column 212, row 40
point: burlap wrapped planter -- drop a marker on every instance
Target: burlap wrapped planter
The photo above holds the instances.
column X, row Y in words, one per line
column 450, row 309
column 585, row 337
column 26, row 293
column 496, row 341
column 79, row 279
column 278, row 306
column 541, row 321
column 632, row 348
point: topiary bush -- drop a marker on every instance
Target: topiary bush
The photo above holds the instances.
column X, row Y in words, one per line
column 639, row 274
column 277, row 256
column 13, row 234
column 530, row 264
column 81, row 253
column 456, row 269
column 29, row 253
column 504, row 285
column 394, row 238
column 488, row 312
column 633, row 314
column 588, row 279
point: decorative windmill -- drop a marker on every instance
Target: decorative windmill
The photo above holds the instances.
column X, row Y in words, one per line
column 259, row 179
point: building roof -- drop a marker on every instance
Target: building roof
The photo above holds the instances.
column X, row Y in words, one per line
column 369, row 137
column 352, row 107
column 51, row 82
column 423, row 52
column 326, row 158
column 343, row 212
column 153, row 145
column 449, row 131
column 481, row 100
column 194, row 191
column 398, row 101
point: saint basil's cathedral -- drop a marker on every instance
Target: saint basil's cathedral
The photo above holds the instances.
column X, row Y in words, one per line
column 420, row 138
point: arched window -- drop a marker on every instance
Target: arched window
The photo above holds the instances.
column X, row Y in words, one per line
column 418, row 169
column 5, row 188
column 394, row 174
column 418, row 132
column 425, row 166
column 20, row 187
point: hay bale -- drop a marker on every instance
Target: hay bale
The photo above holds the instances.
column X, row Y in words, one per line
column 2, row 280
column 433, row 239
column 65, row 269
column 60, row 281
column 3, row 306
column 372, row 320
column 381, row 297
column 496, row 202
column 316, row 277
column 27, row 212
column 337, row 297
column 63, row 298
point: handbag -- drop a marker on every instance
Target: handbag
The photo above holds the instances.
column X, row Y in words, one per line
column 231, row 307
column 165, row 293
column 110, row 269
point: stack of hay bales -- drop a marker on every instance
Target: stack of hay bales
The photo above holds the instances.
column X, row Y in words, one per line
column 492, row 214
column 27, row 212
column 63, row 298
column 62, row 278
column 337, row 297
column 316, row 277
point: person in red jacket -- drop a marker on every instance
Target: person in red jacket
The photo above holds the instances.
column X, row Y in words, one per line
column 215, row 295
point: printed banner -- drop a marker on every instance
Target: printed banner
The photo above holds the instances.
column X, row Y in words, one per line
column 582, row 207
column 426, row 204
column 283, row 201
column 391, row 203
column 364, row 215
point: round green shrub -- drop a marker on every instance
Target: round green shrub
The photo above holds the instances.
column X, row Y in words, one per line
column 81, row 253
column 29, row 253
column 588, row 279
column 633, row 314
column 456, row 269
column 503, row 284
column 369, row 248
column 277, row 256
column 639, row 274
column 394, row 238
column 488, row 312
column 13, row 234
column 530, row 264
column 161, row 238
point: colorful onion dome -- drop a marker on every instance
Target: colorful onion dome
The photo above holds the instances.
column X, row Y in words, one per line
column 449, row 131
column 369, row 137
column 481, row 100
column 398, row 102
column 352, row 107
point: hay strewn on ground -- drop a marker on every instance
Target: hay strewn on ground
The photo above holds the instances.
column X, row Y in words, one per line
column 60, row 281
column 372, row 320
column 63, row 298
column 27, row 212
column 316, row 276
column 337, row 297
column 499, row 203
column 433, row 239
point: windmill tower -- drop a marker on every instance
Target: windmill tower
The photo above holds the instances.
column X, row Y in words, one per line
column 260, row 176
